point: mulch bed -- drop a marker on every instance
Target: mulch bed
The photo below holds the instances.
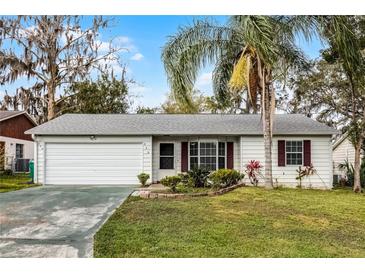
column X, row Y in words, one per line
column 147, row 194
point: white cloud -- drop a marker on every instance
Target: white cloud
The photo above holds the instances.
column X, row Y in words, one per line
column 137, row 57
column 124, row 42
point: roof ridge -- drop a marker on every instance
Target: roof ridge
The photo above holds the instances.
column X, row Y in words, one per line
column 188, row 124
column 181, row 114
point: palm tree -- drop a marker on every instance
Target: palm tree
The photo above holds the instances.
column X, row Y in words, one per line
column 345, row 37
column 249, row 52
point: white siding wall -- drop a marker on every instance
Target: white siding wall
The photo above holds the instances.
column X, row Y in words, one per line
column 252, row 148
column 245, row 149
column 40, row 162
column 43, row 140
column 158, row 173
column 10, row 149
column 343, row 151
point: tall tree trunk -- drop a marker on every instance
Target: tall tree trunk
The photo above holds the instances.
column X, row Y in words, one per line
column 51, row 112
column 268, row 152
column 357, row 142
column 357, row 165
column 267, row 127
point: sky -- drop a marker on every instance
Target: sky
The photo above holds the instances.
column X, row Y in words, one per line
column 143, row 38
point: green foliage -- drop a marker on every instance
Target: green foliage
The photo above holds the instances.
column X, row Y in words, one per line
column 182, row 188
column 7, row 172
column 143, row 177
column 198, row 177
column 106, row 95
column 348, row 168
column 322, row 92
column 224, row 178
column 186, row 179
column 193, row 103
column 171, row 182
column 273, row 38
column 146, row 110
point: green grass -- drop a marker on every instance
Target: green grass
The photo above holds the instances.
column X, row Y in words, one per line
column 14, row 182
column 247, row 222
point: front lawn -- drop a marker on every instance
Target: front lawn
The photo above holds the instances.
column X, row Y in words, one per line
column 14, row 182
column 247, row 222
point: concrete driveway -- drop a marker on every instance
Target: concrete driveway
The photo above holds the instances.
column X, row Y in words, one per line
column 55, row 221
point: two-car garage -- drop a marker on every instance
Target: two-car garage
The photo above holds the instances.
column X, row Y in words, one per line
column 92, row 162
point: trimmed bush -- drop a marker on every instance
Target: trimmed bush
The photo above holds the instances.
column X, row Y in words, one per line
column 143, row 178
column 222, row 178
column 182, row 188
column 171, row 182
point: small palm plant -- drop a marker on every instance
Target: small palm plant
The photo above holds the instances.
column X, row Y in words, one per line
column 348, row 168
column 304, row 173
column 253, row 170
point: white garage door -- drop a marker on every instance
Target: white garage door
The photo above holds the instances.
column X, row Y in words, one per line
column 93, row 163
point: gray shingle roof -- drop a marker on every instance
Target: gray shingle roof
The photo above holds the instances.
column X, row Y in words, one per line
column 5, row 114
column 8, row 114
column 178, row 124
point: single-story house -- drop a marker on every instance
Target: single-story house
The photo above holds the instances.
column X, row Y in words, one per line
column 16, row 148
column 343, row 150
column 114, row 148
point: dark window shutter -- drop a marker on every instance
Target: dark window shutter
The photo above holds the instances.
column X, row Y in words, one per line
column 307, row 153
column 281, row 152
column 230, row 155
column 184, row 157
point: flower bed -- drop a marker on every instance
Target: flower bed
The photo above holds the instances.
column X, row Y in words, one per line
column 148, row 194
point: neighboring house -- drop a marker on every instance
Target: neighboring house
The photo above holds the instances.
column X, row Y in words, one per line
column 343, row 150
column 114, row 148
column 16, row 148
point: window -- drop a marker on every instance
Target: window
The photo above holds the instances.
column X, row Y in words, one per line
column 221, row 155
column 207, row 155
column 194, row 154
column 19, row 151
column 166, row 156
column 294, row 152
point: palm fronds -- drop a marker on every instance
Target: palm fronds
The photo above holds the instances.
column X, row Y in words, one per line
column 190, row 49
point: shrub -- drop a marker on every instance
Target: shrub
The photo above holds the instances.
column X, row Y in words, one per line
column 171, row 182
column 8, row 172
column 225, row 177
column 143, row 177
column 181, row 188
column 304, row 173
column 349, row 170
column 253, row 170
column 198, row 177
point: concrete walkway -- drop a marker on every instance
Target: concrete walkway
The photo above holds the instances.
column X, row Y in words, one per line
column 55, row 221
